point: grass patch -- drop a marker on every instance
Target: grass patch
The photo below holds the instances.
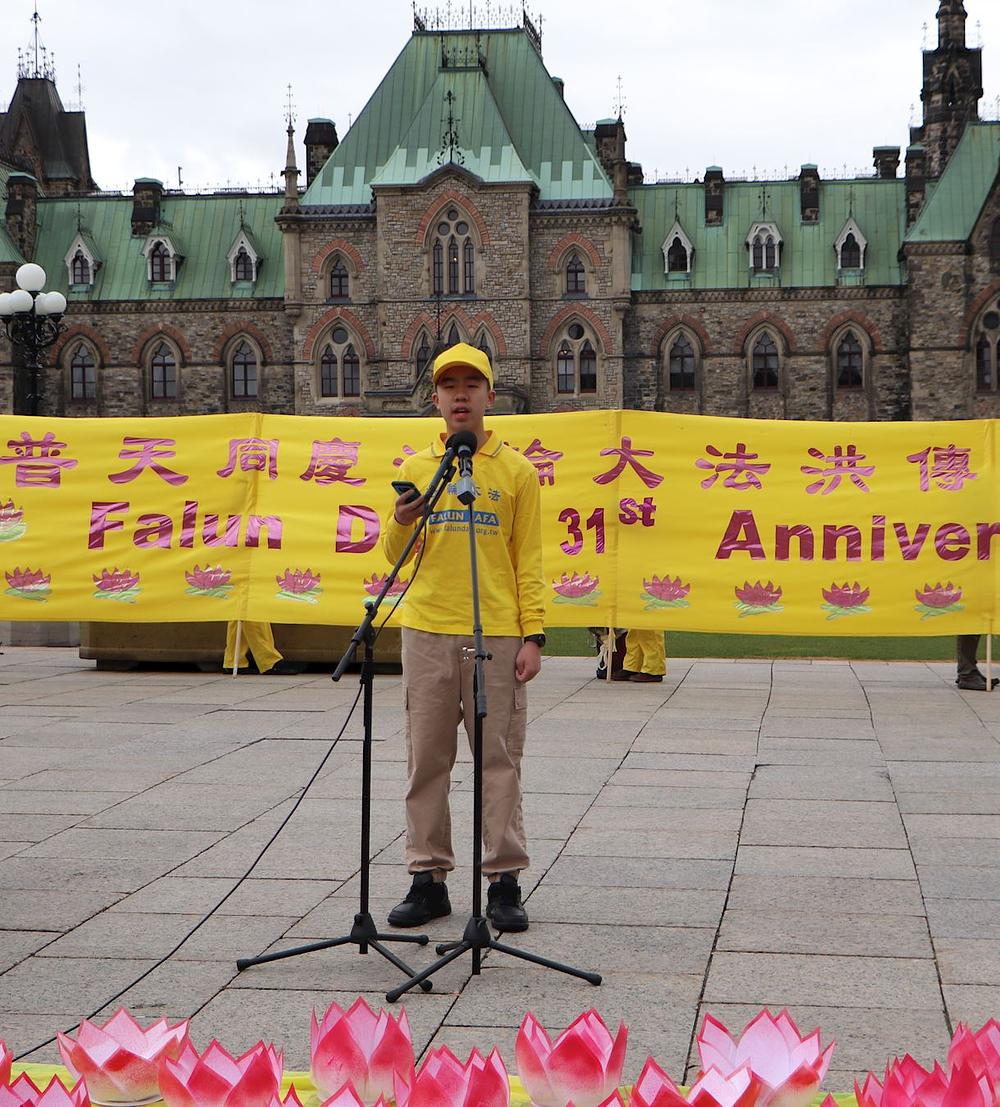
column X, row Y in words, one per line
column 576, row 642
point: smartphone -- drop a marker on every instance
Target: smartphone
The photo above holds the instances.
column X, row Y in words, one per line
column 406, row 488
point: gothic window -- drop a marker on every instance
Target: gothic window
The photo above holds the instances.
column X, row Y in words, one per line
column 484, row 345
column 576, row 276
column 454, row 337
column 339, row 366
column 677, row 256
column 340, row 284
column 984, row 364
column 850, row 253
column 80, row 269
column 765, row 362
column 160, row 263
column 681, row 365
column 423, row 353
column 986, row 349
column 163, row 373
column 576, row 363
column 83, row 374
column 242, row 266
column 765, row 244
column 244, row 371
column 453, row 243
column 850, row 362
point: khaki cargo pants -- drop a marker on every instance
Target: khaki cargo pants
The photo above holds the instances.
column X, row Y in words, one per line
column 437, row 690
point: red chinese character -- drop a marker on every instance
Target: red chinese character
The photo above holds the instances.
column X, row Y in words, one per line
column 146, row 453
column 742, row 470
column 544, row 461
column 36, row 461
column 947, row 466
column 843, row 462
column 258, row 454
column 627, row 456
column 330, row 462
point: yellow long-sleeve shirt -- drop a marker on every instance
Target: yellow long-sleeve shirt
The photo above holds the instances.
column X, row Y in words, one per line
column 508, row 546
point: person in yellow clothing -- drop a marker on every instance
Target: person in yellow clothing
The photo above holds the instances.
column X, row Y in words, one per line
column 258, row 638
column 645, row 658
column 438, row 648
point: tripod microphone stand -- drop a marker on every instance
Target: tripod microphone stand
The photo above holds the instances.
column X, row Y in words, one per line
column 364, row 932
column 477, row 936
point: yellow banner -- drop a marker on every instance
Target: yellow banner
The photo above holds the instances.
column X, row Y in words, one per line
column 650, row 520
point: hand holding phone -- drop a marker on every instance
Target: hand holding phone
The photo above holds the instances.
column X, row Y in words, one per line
column 406, row 488
column 409, row 504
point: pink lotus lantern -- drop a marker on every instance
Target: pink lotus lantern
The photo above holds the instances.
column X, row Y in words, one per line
column 291, row 1098
column 788, row 1065
column 361, row 1047
column 25, row 1093
column 979, row 1049
column 584, row 1064
column 905, row 1082
column 217, row 1079
column 655, row 1089
column 739, row 1088
column 119, row 1060
column 443, row 1081
column 5, row 1060
column 348, row 1097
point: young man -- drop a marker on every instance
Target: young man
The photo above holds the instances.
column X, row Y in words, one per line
column 645, row 658
column 438, row 650
column 970, row 677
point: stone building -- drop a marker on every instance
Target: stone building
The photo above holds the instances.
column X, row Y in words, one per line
column 465, row 202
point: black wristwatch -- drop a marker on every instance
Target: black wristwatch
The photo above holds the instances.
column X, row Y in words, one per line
column 538, row 639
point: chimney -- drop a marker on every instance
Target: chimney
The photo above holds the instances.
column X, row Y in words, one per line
column 321, row 141
column 715, row 189
column 609, row 136
column 886, row 159
column 21, row 213
column 809, row 193
column 916, row 182
column 146, row 195
column 560, row 87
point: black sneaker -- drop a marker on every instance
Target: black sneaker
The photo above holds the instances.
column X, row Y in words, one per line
column 285, row 668
column 503, row 907
column 425, row 900
column 975, row 682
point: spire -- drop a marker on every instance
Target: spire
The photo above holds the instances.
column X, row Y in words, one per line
column 951, row 19
column 291, row 171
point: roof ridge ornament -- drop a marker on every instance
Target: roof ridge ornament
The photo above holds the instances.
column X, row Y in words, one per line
column 450, row 150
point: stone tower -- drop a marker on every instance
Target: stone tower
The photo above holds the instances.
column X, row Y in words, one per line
column 953, row 86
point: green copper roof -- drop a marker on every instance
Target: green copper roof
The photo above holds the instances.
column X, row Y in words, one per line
column 202, row 228
column 8, row 251
column 950, row 214
column 510, row 120
column 808, row 257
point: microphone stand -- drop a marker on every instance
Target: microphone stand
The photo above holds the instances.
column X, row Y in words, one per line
column 364, row 932
column 477, row 935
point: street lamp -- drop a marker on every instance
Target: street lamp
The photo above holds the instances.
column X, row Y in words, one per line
column 33, row 321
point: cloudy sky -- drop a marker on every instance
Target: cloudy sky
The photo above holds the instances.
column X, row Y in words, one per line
column 747, row 84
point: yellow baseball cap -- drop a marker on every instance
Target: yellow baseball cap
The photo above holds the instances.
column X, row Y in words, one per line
column 463, row 354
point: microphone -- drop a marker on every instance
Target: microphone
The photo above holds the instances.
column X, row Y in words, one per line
column 463, row 444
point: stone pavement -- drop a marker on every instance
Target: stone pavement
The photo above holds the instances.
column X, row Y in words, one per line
column 819, row 835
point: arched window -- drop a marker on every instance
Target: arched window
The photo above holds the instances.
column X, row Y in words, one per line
column 163, row 373
column 984, row 364
column 765, row 252
column 682, row 365
column 339, row 366
column 850, row 253
column 850, row 361
column 995, row 242
column 484, row 345
column 677, row 256
column 243, row 372
column 340, row 283
column 160, row 263
column 243, row 266
column 453, row 240
column 80, row 268
column 83, row 374
column 576, row 276
column 576, row 363
column 770, row 253
column 454, row 337
column 764, row 362
column 423, row 353
column 758, row 252
column 986, row 349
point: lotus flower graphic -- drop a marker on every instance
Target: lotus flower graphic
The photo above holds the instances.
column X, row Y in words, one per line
column 120, row 1060
column 24, row 1092
column 359, row 1046
column 217, row 1079
column 665, row 592
column 117, row 584
column 787, row 1065
column 29, row 584
column 941, row 599
column 12, row 524
column 209, row 581
column 845, row 599
column 299, row 584
column 445, row 1082
column 581, row 590
column 374, row 586
column 757, row 599
column 584, row 1064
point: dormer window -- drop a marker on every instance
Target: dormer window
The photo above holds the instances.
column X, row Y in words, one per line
column 79, row 270
column 81, row 262
column 162, row 259
column 851, row 245
column 244, row 258
column 678, row 252
column 242, row 266
column 764, row 244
